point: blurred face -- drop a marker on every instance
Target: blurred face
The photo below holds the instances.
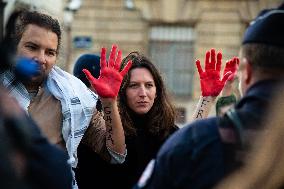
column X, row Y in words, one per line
column 40, row 45
column 141, row 91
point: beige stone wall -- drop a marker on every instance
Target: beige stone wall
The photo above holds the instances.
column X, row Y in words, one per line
column 218, row 24
column 47, row 5
column 108, row 22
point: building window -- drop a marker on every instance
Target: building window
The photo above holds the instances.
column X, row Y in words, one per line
column 171, row 49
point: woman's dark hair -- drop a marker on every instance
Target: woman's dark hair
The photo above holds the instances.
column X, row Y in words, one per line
column 162, row 113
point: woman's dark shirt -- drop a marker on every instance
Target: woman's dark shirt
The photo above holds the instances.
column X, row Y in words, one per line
column 141, row 148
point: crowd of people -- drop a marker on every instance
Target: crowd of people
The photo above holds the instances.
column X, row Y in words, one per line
column 112, row 123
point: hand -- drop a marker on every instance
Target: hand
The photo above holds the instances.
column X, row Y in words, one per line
column 109, row 81
column 210, row 82
column 232, row 66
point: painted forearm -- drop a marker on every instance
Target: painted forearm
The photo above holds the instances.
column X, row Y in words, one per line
column 115, row 139
column 203, row 107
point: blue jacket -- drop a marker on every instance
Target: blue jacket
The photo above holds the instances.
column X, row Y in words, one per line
column 196, row 156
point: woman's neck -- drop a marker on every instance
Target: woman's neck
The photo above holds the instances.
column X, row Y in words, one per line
column 139, row 119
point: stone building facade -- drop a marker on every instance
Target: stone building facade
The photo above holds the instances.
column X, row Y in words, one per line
column 173, row 33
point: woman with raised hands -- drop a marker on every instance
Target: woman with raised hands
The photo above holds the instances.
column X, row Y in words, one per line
column 147, row 116
column 107, row 87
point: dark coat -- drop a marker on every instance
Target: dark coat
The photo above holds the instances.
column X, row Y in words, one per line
column 196, row 156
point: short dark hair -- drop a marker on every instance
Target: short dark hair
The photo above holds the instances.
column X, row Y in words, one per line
column 265, row 58
column 162, row 113
column 26, row 17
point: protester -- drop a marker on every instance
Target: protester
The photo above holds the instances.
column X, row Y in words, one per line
column 61, row 105
column 204, row 152
column 90, row 62
column 28, row 160
column 148, row 118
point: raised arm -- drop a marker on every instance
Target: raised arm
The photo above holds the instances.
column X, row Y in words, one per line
column 210, row 81
column 227, row 98
column 232, row 65
column 107, row 87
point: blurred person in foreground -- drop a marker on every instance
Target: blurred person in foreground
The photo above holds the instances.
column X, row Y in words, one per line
column 201, row 154
column 61, row 105
column 264, row 165
column 28, row 160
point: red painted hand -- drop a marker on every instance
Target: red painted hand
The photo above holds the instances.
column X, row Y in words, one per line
column 210, row 82
column 108, row 84
column 232, row 66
